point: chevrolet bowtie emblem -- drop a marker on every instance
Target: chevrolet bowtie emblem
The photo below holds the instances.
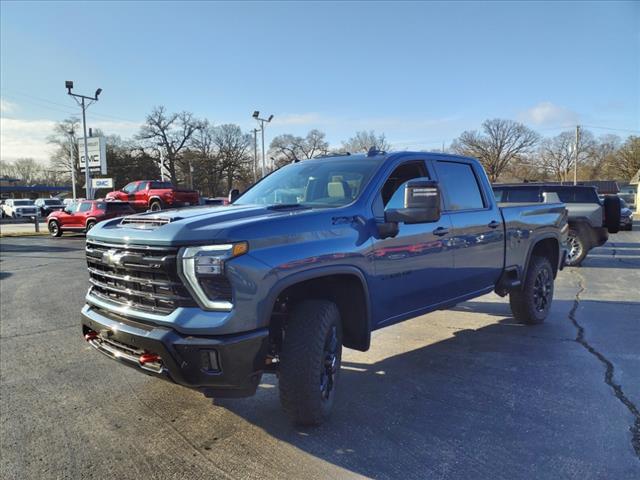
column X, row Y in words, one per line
column 112, row 257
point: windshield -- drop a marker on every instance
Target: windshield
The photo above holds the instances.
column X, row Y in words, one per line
column 52, row 202
column 22, row 203
column 313, row 183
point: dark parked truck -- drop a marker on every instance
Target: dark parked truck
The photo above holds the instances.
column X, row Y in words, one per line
column 154, row 195
column 312, row 258
column 591, row 219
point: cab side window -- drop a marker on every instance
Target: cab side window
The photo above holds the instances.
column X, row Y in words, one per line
column 84, row 207
column 460, row 186
column 393, row 189
column 130, row 187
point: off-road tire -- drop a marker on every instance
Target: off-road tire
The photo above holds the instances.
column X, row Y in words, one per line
column 525, row 302
column 54, row 228
column 612, row 213
column 155, row 206
column 303, row 361
column 576, row 239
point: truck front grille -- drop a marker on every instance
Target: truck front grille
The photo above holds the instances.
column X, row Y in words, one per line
column 135, row 276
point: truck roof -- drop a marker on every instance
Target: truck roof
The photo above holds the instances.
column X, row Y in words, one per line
column 380, row 155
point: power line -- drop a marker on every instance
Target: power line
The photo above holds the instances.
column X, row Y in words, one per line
column 612, row 129
column 35, row 99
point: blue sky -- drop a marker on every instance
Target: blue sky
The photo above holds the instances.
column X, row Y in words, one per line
column 419, row 72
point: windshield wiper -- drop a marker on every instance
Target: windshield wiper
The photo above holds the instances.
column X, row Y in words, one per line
column 286, row 206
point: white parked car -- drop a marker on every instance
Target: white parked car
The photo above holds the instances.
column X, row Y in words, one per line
column 19, row 208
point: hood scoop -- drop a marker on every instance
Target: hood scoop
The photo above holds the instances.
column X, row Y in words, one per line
column 144, row 222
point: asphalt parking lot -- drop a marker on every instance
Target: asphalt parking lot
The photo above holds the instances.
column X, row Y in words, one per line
column 464, row 393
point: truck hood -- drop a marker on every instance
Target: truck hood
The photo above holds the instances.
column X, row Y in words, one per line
column 195, row 225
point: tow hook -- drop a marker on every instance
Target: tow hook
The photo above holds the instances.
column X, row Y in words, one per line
column 90, row 336
column 149, row 358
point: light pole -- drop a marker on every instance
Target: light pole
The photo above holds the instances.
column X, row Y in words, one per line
column 255, row 154
column 69, row 86
column 256, row 115
column 160, row 145
column 73, row 167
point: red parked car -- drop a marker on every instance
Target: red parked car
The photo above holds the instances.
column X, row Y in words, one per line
column 82, row 216
column 154, row 195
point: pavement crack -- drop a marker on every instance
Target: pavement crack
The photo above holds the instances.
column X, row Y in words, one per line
column 29, row 334
column 609, row 370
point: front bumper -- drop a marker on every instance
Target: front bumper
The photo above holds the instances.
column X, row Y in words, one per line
column 233, row 369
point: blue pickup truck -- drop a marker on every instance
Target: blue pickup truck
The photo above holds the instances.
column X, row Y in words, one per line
column 312, row 258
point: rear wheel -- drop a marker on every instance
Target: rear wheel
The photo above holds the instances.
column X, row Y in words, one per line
column 90, row 225
column 155, row 206
column 532, row 302
column 54, row 228
column 576, row 248
column 310, row 361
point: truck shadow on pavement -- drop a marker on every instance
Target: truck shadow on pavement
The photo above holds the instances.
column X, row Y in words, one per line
column 500, row 401
column 6, row 246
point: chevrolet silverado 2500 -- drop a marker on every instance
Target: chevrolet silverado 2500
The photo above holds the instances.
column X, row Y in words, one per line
column 312, row 258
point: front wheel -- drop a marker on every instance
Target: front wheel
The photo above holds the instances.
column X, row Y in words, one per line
column 310, row 361
column 54, row 229
column 531, row 303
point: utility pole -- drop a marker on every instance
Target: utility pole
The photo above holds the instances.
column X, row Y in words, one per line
column 256, row 115
column 161, row 161
column 69, row 86
column 73, row 167
column 255, row 154
column 575, row 165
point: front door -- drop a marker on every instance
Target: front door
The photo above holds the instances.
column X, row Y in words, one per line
column 413, row 269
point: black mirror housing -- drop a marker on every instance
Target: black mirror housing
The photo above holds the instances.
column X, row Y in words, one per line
column 233, row 195
column 421, row 203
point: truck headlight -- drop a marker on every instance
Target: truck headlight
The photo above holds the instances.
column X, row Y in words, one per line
column 203, row 270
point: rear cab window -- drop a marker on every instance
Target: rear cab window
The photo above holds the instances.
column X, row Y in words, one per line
column 160, row 185
column 459, row 185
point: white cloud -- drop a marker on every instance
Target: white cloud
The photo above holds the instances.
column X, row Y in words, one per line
column 300, row 119
column 548, row 113
column 7, row 107
column 28, row 138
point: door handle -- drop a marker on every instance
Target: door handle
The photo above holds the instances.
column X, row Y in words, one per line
column 493, row 224
column 440, row 231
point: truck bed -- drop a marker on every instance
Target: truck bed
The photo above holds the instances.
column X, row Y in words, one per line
column 522, row 221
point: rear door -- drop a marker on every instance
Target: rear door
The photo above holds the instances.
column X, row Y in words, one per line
column 478, row 236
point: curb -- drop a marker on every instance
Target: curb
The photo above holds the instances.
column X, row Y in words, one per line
column 23, row 234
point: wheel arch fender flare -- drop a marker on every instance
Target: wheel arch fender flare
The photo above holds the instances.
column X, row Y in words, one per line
column 532, row 246
column 316, row 274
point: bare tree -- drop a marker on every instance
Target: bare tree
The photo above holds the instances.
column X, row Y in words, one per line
column 171, row 132
column 498, row 144
column 626, row 162
column 363, row 141
column 289, row 148
column 203, row 156
column 558, row 155
column 599, row 155
column 65, row 156
column 234, row 153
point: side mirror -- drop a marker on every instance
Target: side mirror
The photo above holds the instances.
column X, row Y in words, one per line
column 421, row 203
column 233, row 195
